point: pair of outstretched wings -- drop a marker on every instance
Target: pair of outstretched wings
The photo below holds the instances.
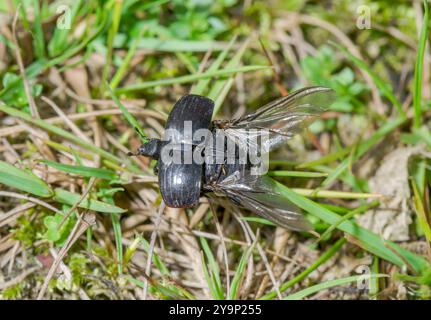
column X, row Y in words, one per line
column 279, row 120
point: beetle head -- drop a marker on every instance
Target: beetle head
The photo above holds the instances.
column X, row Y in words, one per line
column 151, row 148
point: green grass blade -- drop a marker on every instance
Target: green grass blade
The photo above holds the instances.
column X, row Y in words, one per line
column 58, row 41
column 208, row 278
column 423, row 134
column 366, row 239
column 38, row 37
column 170, row 291
column 83, row 44
column 68, row 149
column 70, row 198
column 363, row 147
column 333, row 194
column 321, row 260
column 329, row 284
column 259, row 220
column 417, row 87
column 23, row 180
column 298, row 174
column 214, row 270
column 23, row 16
column 82, row 170
column 119, row 74
column 421, row 212
column 326, row 159
column 202, row 85
column 156, row 260
column 42, row 65
column 348, row 216
column 116, row 17
column 188, row 78
column 130, row 118
column 382, row 85
column 116, row 226
column 220, row 88
column 67, row 135
column 239, row 273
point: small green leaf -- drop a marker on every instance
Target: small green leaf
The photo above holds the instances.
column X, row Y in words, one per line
column 53, row 232
column 51, row 223
column 177, row 45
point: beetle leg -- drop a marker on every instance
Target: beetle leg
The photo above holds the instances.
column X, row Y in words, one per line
column 156, row 169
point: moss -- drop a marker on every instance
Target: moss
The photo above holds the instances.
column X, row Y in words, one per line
column 13, row 292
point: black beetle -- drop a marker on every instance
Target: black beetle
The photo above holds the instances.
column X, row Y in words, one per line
column 226, row 173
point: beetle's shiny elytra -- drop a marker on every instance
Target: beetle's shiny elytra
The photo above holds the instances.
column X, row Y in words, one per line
column 181, row 184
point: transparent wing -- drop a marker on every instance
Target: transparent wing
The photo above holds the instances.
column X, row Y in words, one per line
column 271, row 125
column 256, row 193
